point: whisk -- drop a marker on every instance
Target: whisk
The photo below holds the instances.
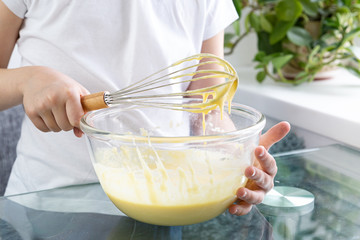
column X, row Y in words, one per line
column 187, row 70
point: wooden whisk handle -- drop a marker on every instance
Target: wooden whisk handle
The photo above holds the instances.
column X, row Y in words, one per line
column 93, row 101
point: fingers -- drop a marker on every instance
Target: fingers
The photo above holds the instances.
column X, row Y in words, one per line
column 74, row 109
column 42, row 117
column 62, row 118
column 58, row 117
column 39, row 123
column 261, row 181
column 266, row 161
column 274, row 134
column 77, row 132
column 52, row 100
column 249, row 196
column 261, row 178
column 49, row 120
column 74, row 114
column 240, row 209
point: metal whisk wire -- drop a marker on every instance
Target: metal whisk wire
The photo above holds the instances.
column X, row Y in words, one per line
column 135, row 93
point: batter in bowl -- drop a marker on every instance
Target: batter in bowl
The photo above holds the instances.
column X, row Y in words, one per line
column 170, row 187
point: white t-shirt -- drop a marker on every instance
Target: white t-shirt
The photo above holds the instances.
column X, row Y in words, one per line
column 104, row 45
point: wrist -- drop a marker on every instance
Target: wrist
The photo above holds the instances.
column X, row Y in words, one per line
column 12, row 83
column 25, row 76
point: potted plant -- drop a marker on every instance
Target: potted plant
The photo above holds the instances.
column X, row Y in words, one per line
column 299, row 39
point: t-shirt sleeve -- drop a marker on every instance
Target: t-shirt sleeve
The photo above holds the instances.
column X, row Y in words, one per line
column 221, row 13
column 18, row 7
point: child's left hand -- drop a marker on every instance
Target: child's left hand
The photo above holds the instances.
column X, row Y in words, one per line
column 261, row 175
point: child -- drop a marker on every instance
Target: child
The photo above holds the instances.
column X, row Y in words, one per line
column 70, row 48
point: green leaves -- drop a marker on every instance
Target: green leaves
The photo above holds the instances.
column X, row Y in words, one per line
column 299, row 36
column 288, row 10
column 255, row 22
column 279, row 60
column 265, row 24
column 350, row 36
column 310, row 7
column 260, row 76
column 259, row 23
column 262, row 65
column 265, row 45
column 280, row 31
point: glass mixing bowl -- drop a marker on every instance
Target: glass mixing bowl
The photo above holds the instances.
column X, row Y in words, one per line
column 161, row 167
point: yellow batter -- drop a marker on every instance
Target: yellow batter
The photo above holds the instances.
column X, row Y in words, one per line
column 170, row 187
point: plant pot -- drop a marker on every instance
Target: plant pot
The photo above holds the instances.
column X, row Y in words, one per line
column 327, row 72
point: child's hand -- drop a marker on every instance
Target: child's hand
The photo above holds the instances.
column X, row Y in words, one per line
column 261, row 175
column 52, row 100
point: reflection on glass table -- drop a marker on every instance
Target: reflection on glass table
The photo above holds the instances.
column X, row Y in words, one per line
column 330, row 174
column 84, row 212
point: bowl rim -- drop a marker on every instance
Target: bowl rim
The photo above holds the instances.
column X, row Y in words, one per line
column 238, row 134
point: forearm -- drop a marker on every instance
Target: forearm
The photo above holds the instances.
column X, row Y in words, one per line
column 11, row 83
column 10, row 80
column 215, row 46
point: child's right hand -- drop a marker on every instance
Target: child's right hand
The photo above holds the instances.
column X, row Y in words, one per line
column 52, row 100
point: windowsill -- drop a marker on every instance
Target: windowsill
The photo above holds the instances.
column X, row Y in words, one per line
column 330, row 108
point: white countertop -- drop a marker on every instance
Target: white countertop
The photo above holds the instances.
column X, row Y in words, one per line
column 330, row 108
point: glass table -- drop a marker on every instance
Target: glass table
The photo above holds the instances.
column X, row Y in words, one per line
column 330, row 174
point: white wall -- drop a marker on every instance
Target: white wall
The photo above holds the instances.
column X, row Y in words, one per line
column 244, row 52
